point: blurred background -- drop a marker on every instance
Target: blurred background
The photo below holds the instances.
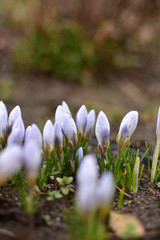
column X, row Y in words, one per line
column 104, row 54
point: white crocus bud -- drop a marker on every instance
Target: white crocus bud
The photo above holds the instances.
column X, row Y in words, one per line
column 14, row 114
column 59, row 115
column 17, row 134
column 79, row 154
column 102, row 131
column 85, row 198
column 88, row 171
column 81, row 120
column 3, row 121
column 58, row 137
column 127, row 128
column 104, row 192
column 3, row 109
column 33, row 133
column 10, row 162
column 157, row 148
column 32, row 159
column 91, row 117
column 66, row 108
column 69, row 130
column 48, row 134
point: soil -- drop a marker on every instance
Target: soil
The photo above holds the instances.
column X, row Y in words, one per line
column 15, row 224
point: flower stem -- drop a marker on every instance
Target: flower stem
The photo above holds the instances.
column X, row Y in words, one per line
column 155, row 158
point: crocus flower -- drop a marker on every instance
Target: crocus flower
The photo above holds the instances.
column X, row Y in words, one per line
column 3, row 109
column 79, row 154
column 10, row 162
column 59, row 114
column 57, row 137
column 66, row 108
column 127, row 128
column 91, row 117
column 48, row 134
column 81, row 120
column 32, row 161
column 88, row 171
column 69, row 130
column 85, row 198
column 3, row 121
column 33, row 133
column 14, row 114
column 17, row 134
column 156, row 151
column 104, row 191
column 102, row 131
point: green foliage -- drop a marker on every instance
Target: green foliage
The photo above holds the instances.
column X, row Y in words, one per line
column 124, row 162
column 85, row 227
column 63, row 51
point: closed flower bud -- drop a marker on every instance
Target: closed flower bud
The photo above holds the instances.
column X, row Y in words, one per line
column 3, row 110
column 81, row 121
column 32, row 161
column 85, row 198
column 14, row 114
column 58, row 137
column 66, row 108
column 33, row 133
column 102, row 131
column 104, row 192
column 91, row 117
column 17, row 134
column 48, row 134
column 10, row 162
column 79, row 155
column 69, row 130
column 127, row 128
column 59, row 115
column 88, row 171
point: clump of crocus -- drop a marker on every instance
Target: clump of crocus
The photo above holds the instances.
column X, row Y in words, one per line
column 10, row 162
column 157, row 148
column 102, row 131
column 127, row 128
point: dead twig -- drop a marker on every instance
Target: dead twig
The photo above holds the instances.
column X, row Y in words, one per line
column 125, row 194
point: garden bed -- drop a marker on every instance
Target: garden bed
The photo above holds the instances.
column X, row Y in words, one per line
column 49, row 222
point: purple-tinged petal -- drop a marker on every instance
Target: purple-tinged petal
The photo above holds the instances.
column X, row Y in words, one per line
column 33, row 133
column 48, row 134
column 10, row 162
column 91, row 117
column 127, row 128
column 79, row 154
column 32, row 159
column 102, row 131
column 59, row 115
column 69, row 129
column 66, row 108
column 88, row 171
column 81, row 120
column 14, row 114
column 58, row 136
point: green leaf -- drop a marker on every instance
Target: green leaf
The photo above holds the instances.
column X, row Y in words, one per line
column 46, row 217
column 65, row 190
column 67, row 180
column 58, row 195
column 59, row 180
